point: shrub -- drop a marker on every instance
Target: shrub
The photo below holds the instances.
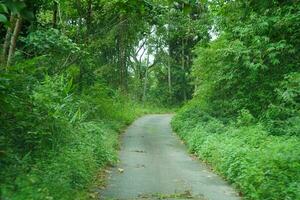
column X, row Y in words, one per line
column 56, row 139
column 260, row 165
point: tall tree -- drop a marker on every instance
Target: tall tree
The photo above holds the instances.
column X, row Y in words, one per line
column 13, row 41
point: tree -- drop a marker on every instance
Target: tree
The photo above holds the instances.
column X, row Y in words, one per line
column 18, row 11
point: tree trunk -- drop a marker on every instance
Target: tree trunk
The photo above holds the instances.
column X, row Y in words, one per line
column 145, row 86
column 169, row 78
column 139, row 75
column 55, row 11
column 122, row 55
column 183, row 70
column 13, row 41
column 7, row 40
column 146, row 81
column 169, row 58
column 121, row 62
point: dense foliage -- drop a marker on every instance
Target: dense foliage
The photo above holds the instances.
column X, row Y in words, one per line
column 74, row 72
column 53, row 140
column 68, row 85
column 260, row 165
column 245, row 116
column 253, row 65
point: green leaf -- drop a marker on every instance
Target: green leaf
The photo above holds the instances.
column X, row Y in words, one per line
column 3, row 8
column 3, row 18
column 15, row 6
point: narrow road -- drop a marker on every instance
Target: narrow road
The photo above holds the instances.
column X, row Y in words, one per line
column 155, row 165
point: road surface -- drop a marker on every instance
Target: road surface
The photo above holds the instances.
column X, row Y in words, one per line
column 154, row 164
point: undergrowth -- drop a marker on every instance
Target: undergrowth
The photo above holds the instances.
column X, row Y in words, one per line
column 260, row 165
column 55, row 139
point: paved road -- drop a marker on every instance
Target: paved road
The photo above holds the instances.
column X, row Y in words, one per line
column 155, row 165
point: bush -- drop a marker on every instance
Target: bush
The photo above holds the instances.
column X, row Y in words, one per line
column 50, row 41
column 55, row 140
column 260, row 165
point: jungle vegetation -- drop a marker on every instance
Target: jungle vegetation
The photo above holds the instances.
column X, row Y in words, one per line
column 74, row 73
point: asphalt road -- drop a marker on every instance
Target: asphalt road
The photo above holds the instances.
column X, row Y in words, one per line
column 154, row 164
